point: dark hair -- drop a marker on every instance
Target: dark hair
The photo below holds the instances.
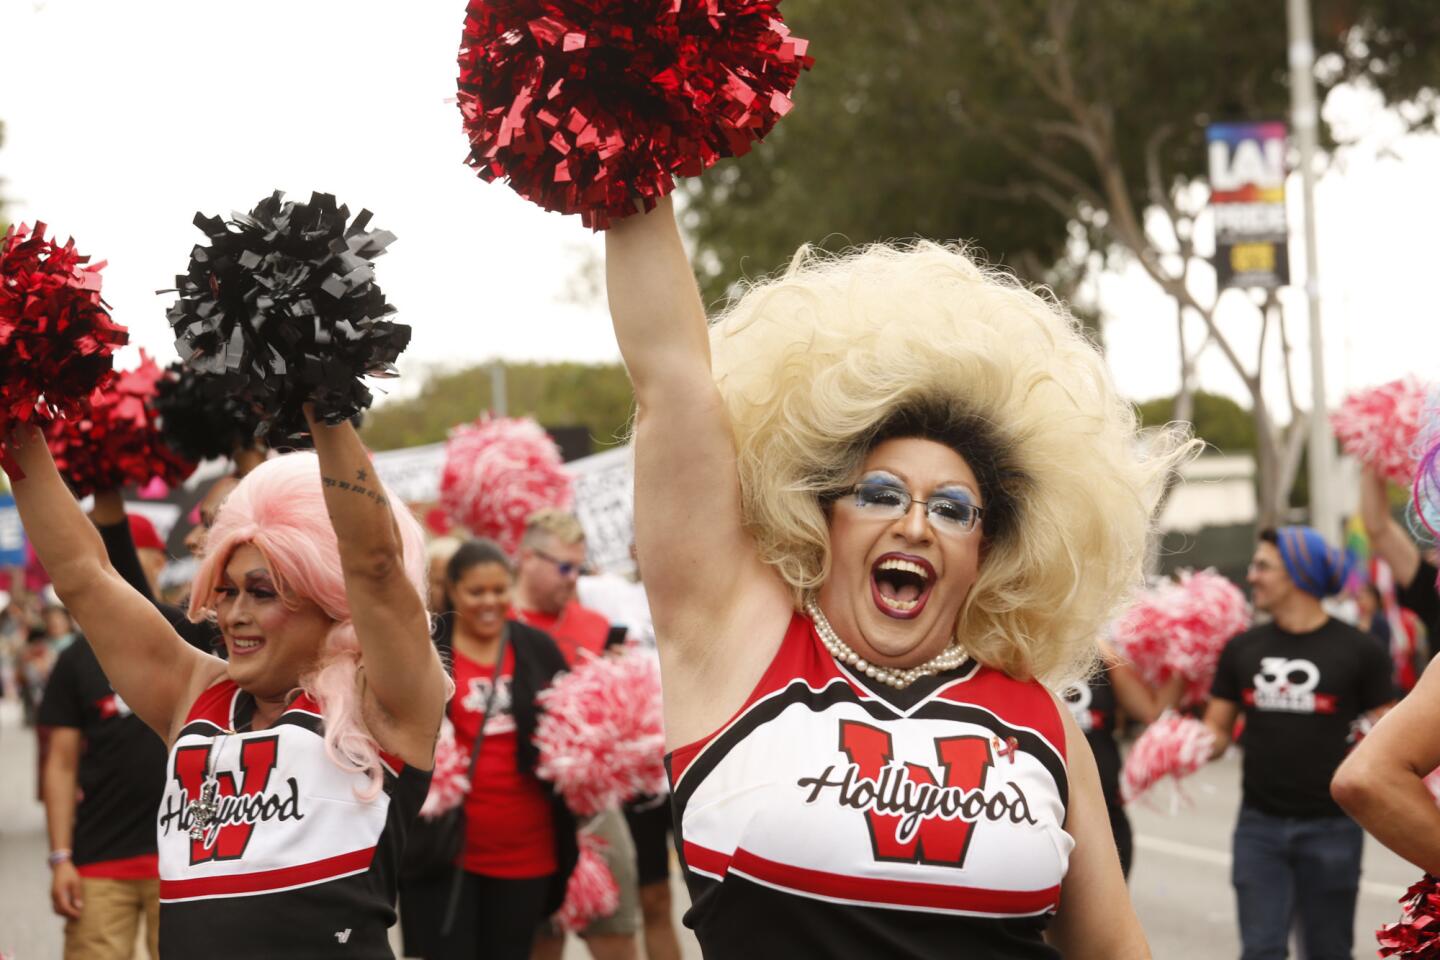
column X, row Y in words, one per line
column 974, row 438
column 475, row 553
column 1270, row 535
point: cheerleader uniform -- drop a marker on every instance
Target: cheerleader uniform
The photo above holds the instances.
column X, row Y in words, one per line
column 290, row 863
column 834, row 816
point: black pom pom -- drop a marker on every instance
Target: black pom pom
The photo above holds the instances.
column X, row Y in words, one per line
column 282, row 308
column 198, row 419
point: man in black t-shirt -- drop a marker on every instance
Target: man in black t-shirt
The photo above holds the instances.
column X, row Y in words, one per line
column 1302, row 680
column 1415, row 575
column 102, row 847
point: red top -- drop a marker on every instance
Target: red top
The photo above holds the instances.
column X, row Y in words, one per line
column 508, row 830
column 576, row 628
column 144, row 867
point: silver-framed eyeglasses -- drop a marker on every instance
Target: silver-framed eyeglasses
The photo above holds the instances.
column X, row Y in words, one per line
column 885, row 501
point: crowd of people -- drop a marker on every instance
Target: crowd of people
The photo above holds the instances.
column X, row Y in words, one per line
column 885, row 506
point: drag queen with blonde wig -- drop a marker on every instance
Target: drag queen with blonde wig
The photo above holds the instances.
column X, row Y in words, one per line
column 880, row 501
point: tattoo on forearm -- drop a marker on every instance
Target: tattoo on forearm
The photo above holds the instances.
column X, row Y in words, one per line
column 356, row 486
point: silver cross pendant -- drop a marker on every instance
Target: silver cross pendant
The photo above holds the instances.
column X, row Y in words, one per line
column 203, row 810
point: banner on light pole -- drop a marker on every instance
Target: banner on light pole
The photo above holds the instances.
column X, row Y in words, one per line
column 1247, row 197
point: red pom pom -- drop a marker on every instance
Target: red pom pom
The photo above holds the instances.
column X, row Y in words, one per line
column 1173, row 746
column 602, row 736
column 1181, row 627
column 497, row 473
column 594, row 107
column 117, row 442
column 591, row 892
column 450, row 783
column 1379, row 427
column 56, row 335
column 1417, row 935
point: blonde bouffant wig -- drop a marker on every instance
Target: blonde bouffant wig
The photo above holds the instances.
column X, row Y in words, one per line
column 819, row 364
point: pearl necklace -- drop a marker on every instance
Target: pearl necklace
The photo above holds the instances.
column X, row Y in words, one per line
column 947, row 659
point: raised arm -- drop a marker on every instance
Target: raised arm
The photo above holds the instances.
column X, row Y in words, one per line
column 150, row 666
column 404, row 682
column 701, row 567
column 1387, row 538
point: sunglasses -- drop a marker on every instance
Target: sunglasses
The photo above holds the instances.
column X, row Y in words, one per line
column 884, row 501
column 565, row 567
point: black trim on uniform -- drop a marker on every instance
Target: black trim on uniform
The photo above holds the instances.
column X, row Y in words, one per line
column 838, row 691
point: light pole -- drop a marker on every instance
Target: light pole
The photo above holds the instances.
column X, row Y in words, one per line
column 1324, row 513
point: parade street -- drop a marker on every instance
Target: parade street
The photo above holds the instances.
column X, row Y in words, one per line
column 1180, row 883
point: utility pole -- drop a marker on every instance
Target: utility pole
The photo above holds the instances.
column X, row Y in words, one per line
column 1324, row 512
column 498, row 395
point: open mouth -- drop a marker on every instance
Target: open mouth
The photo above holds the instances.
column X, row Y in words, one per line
column 901, row 584
column 240, row 646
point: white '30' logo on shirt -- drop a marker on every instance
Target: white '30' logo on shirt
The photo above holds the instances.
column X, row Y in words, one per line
column 1283, row 675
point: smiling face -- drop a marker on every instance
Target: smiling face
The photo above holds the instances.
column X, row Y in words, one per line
column 897, row 585
column 481, row 595
column 1270, row 583
column 271, row 643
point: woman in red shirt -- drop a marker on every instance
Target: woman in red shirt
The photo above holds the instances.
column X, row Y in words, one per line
column 519, row 837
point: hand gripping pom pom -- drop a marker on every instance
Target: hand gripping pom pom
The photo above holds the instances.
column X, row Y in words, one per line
column 199, row 419
column 450, row 783
column 1379, row 427
column 56, row 337
column 497, row 472
column 117, row 442
column 601, row 738
column 1417, row 935
column 282, row 308
column 591, row 892
column 1173, row 746
column 592, row 107
column 1181, row 627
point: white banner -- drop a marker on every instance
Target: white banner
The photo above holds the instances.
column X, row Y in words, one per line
column 604, row 495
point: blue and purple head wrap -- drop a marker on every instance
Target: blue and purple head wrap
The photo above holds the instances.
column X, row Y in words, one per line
column 1316, row 567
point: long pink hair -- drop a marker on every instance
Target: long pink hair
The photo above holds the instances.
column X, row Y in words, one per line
column 280, row 508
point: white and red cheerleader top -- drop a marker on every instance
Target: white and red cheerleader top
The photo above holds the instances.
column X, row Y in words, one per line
column 834, row 816
column 288, row 861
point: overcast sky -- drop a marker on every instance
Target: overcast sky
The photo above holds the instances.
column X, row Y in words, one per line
column 122, row 120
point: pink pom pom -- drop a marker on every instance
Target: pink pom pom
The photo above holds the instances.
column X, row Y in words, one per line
column 1379, row 427
column 450, row 784
column 1173, row 746
column 498, row 471
column 591, row 892
column 1181, row 627
column 602, row 737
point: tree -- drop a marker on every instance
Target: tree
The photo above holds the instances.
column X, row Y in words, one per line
column 1224, row 425
column 597, row 397
column 1057, row 133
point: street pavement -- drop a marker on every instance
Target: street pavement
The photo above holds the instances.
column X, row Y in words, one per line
column 1180, row 883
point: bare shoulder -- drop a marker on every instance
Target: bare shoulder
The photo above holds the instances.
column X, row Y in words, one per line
column 208, row 671
column 712, row 661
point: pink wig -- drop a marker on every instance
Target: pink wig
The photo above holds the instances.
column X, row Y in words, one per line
column 280, row 508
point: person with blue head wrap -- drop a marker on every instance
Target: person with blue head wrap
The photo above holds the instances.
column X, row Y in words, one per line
column 1314, row 566
column 1301, row 679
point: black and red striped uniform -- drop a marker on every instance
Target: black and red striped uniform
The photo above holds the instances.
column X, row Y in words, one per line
column 836, row 817
column 295, row 865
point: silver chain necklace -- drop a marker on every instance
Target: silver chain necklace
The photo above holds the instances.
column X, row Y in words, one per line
column 205, row 808
column 947, row 659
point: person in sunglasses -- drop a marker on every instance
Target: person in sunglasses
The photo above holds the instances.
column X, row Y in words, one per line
column 549, row 564
column 879, row 501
